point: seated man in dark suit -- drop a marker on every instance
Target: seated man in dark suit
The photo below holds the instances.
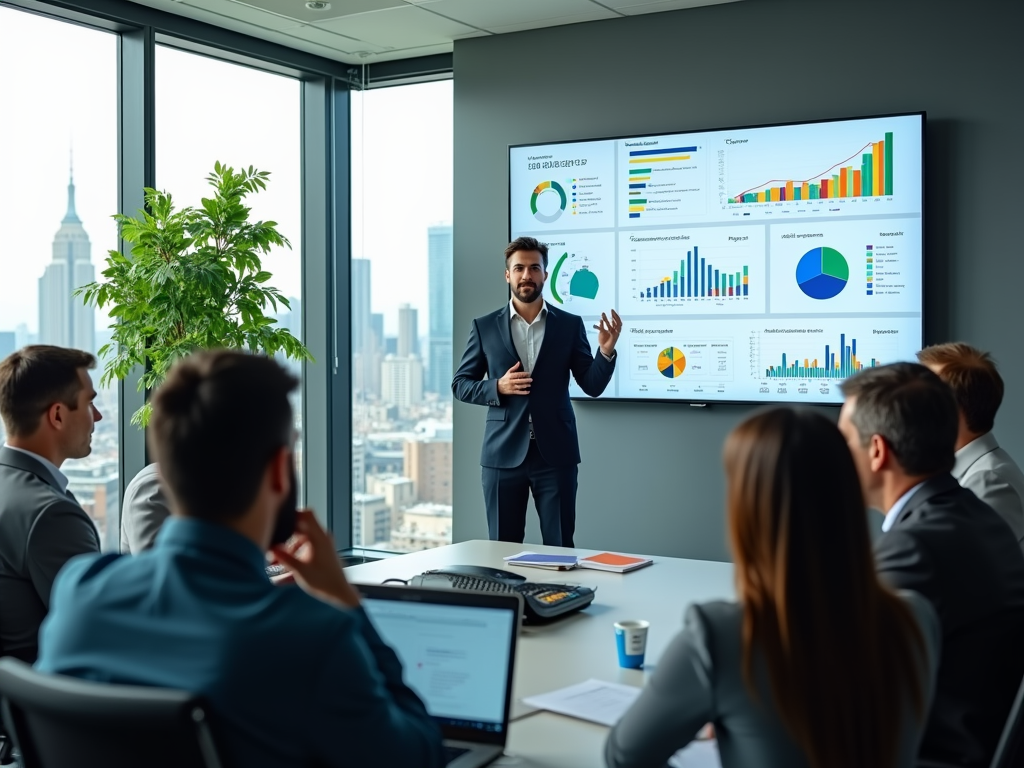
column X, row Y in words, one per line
column 940, row 540
column 295, row 675
column 46, row 401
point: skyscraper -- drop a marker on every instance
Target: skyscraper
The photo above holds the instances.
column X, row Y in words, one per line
column 439, row 286
column 360, row 291
column 64, row 320
column 408, row 331
column 401, row 381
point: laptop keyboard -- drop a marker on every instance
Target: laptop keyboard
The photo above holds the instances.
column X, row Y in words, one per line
column 451, row 754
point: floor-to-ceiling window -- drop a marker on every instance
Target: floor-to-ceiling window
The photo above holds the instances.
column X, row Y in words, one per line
column 210, row 111
column 58, row 191
column 401, row 317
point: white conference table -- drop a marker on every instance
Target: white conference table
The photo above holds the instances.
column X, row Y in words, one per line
column 578, row 647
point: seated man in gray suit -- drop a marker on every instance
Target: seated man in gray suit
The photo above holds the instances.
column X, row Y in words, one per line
column 144, row 510
column 981, row 464
column 940, row 540
column 46, row 401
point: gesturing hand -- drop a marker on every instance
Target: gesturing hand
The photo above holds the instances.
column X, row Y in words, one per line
column 515, row 381
column 608, row 332
column 310, row 557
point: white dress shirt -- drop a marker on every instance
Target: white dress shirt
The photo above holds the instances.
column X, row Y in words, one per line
column 58, row 476
column 894, row 511
column 528, row 337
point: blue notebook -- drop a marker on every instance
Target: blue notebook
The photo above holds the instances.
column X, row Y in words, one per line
column 544, row 561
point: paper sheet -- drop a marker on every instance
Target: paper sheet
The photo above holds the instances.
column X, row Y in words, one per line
column 697, row 754
column 594, row 700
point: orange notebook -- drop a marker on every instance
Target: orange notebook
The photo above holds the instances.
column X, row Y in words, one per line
column 609, row 561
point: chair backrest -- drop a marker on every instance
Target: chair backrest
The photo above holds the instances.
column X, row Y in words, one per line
column 59, row 721
column 1010, row 750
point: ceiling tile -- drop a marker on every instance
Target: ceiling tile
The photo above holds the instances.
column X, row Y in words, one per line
column 224, row 12
column 296, row 9
column 637, row 7
column 577, row 19
column 315, row 34
column 406, row 27
column 489, row 14
column 408, row 53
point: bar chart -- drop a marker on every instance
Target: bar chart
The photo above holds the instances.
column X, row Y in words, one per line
column 695, row 277
column 835, row 363
column 872, row 177
column 667, row 182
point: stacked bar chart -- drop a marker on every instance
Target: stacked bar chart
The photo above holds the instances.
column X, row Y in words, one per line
column 836, row 364
column 696, row 279
column 872, row 178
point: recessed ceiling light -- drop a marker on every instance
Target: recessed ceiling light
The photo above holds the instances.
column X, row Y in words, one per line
column 318, row 5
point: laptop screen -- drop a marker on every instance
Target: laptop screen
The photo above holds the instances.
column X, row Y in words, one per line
column 455, row 657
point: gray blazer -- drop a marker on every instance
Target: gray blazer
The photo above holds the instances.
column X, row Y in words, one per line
column 995, row 478
column 41, row 528
column 143, row 512
column 699, row 679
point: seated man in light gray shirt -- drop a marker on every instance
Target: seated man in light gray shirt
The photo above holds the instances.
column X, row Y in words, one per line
column 143, row 512
column 981, row 465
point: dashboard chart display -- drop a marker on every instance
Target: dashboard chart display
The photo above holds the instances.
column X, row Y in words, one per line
column 761, row 264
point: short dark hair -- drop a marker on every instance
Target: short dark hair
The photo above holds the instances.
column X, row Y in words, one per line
column 527, row 244
column 218, row 419
column 912, row 409
column 34, row 378
column 974, row 379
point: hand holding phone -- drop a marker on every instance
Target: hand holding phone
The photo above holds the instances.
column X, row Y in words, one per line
column 310, row 556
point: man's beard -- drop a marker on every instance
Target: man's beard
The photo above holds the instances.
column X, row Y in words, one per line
column 532, row 297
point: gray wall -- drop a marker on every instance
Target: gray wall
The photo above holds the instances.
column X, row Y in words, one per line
column 758, row 61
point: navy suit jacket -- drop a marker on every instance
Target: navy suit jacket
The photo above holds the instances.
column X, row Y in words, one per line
column 291, row 680
column 565, row 350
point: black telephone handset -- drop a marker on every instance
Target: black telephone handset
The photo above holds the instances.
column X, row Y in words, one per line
column 541, row 602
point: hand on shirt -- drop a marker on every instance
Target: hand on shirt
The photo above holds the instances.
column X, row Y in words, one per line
column 311, row 558
column 515, row 381
column 608, row 332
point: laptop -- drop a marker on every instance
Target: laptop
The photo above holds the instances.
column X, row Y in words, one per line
column 458, row 653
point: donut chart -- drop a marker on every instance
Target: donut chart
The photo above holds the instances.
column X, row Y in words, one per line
column 671, row 363
column 548, row 188
column 822, row 273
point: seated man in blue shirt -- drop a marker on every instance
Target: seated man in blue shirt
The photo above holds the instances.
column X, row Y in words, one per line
column 295, row 675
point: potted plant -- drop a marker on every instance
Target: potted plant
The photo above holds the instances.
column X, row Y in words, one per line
column 194, row 280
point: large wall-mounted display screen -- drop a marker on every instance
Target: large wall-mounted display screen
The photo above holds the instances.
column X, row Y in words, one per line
column 759, row 264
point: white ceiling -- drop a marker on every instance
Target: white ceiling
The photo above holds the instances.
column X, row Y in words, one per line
column 366, row 31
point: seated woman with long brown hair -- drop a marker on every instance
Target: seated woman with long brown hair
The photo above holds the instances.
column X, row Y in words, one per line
column 817, row 664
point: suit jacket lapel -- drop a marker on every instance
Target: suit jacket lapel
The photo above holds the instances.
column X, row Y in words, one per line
column 504, row 319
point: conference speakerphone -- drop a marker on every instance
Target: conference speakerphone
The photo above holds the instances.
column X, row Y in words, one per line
column 541, row 602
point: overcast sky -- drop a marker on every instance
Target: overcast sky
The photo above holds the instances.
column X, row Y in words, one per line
column 63, row 93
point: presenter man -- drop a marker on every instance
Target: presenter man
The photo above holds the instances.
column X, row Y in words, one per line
column 526, row 350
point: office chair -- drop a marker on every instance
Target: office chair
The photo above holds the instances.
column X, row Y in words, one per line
column 1010, row 750
column 58, row 722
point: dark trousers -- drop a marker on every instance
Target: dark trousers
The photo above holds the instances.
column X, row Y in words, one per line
column 554, row 494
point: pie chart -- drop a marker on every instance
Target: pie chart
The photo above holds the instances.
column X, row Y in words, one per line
column 822, row 273
column 671, row 363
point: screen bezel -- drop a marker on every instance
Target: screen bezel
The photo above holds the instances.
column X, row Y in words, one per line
column 922, row 114
column 460, row 598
